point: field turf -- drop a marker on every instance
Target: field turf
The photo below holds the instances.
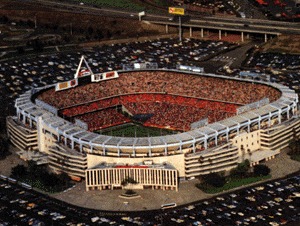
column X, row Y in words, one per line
column 135, row 130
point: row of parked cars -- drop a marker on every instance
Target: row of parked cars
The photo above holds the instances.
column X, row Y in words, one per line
column 271, row 203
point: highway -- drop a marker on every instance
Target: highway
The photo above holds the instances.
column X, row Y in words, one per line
column 225, row 24
column 234, row 24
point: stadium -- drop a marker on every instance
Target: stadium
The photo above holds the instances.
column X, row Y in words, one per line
column 214, row 123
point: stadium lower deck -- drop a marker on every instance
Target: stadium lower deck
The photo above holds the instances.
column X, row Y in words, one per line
column 164, row 111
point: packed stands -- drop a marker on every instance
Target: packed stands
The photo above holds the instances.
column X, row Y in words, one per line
column 210, row 88
column 157, row 93
column 103, row 119
column 169, row 111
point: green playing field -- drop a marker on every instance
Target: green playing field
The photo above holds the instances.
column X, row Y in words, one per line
column 135, row 130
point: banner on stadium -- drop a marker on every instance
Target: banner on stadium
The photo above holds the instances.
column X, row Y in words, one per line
column 66, row 85
column 176, row 11
column 84, row 72
column 104, row 76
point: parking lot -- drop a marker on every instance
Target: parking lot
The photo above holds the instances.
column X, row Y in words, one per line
column 271, row 203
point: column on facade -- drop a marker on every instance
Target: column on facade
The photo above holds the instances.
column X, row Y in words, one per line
column 160, row 178
column 97, row 177
column 108, row 176
column 227, row 134
column 270, row 116
column 103, row 178
column 140, row 176
column 266, row 37
column 216, row 138
column 119, row 176
column 205, row 142
column 86, row 180
column 279, row 115
column 73, row 144
column 92, row 178
column 145, row 176
column 194, row 147
column 180, row 148
column 168, row 177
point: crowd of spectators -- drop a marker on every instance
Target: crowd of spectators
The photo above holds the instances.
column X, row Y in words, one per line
column 174, row 116
column 210, row 88
column 147, row 97
column 103, row 119
column 167, row 111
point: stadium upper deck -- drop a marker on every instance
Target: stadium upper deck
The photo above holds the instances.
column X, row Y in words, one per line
column 175, row 82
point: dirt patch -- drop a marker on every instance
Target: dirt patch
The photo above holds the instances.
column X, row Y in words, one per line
column 284, row 44
column 72, row 26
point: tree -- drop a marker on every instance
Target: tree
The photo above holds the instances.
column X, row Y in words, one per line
column 33, row 167
column 241, row 170
column 64, row 178
column 3, row 147
column 19, row 171
column 294, row 144
column 214, row 179
column 49, row 179
column 261, row 170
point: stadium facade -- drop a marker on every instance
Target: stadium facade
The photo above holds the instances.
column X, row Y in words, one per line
column 258, row 130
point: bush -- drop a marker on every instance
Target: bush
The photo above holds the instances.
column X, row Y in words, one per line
column 38, row 176
column 130, row 192
column 19, row 171
column 261, row 170
column 214, row 179
column 241, row 170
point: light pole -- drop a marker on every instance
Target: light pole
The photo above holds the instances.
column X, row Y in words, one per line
column 180, row 33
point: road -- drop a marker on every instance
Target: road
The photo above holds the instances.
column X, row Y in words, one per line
column 234, row 24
